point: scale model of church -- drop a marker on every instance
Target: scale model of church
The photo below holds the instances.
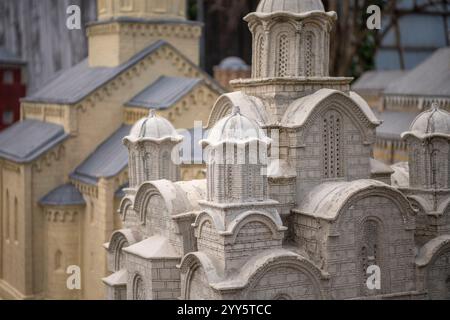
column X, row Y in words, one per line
column 309, row 222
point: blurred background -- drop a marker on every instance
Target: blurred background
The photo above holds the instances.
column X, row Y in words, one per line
column 35, row 32
column 35, row 44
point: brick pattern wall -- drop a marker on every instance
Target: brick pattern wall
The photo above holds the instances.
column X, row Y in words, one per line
column 354, row 155
column 395, row 255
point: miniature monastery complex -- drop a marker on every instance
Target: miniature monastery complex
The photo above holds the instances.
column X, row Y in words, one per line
column 308, row 210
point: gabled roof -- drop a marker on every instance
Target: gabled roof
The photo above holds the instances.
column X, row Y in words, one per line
column 300, row 110
column 65, row 195
column 164, row 92
column 394, row 124
column 25, row 141
column 431, row 78
column 72, row 85
column 110, row 158
column 377, row 80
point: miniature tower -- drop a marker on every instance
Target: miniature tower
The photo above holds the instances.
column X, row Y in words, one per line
column 236, row 150
column 299, row 42
column 150, row 145
column 237, row 207
column 291, row 49
column 429, row 146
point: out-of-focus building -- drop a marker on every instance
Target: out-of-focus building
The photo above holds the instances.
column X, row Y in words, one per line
column 63, row 167
column 399, row 96
column 415, row 35
column 371, row 86
column 231, row 68
column 12, row 87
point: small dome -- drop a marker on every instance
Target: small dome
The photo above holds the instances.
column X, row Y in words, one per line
column 293, row 6
column 235, row 128
column 233, row 63
column 153, row 128
column 432, row 121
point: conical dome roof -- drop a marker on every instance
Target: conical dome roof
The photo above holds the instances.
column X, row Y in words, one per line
column 294, row 6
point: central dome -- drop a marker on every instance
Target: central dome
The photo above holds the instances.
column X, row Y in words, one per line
column 294, row 6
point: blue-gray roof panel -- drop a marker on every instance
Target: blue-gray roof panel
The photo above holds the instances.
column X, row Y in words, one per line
column 72, row 85
column 64, row 195
column 25, row 141
column 110, row 158
column 164, row 92
column 394, row 124
column 431, row 78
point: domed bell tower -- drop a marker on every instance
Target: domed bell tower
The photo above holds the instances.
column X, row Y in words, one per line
column 151, row 146
column 429, row 147
column 294, row 34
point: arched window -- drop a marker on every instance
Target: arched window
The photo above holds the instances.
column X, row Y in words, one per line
column 138, row 288
column 283, row 55
column 229, row 185
column 165, row 166
column 7, row 209
column 147, row 166
column 435, row 154
column 119, row 262
column 309, row 54
column 16, row 220
column 332, row 149
column 416, row 168
column 58, row 260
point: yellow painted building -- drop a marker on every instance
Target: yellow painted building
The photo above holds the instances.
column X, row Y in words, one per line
column 63, row 166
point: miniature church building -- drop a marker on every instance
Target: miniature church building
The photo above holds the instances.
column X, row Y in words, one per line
column 293, row 206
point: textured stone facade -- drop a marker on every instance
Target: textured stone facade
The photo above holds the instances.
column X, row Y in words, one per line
column 298, row 210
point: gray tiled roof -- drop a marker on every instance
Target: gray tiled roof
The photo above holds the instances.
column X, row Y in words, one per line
column 6, row 57
column 394, row 123
column 164, row 92
column 64, row 195
column 431, row 78
column 72, row 85
column 377, row 80
column 110, row 158
column 25, row 141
